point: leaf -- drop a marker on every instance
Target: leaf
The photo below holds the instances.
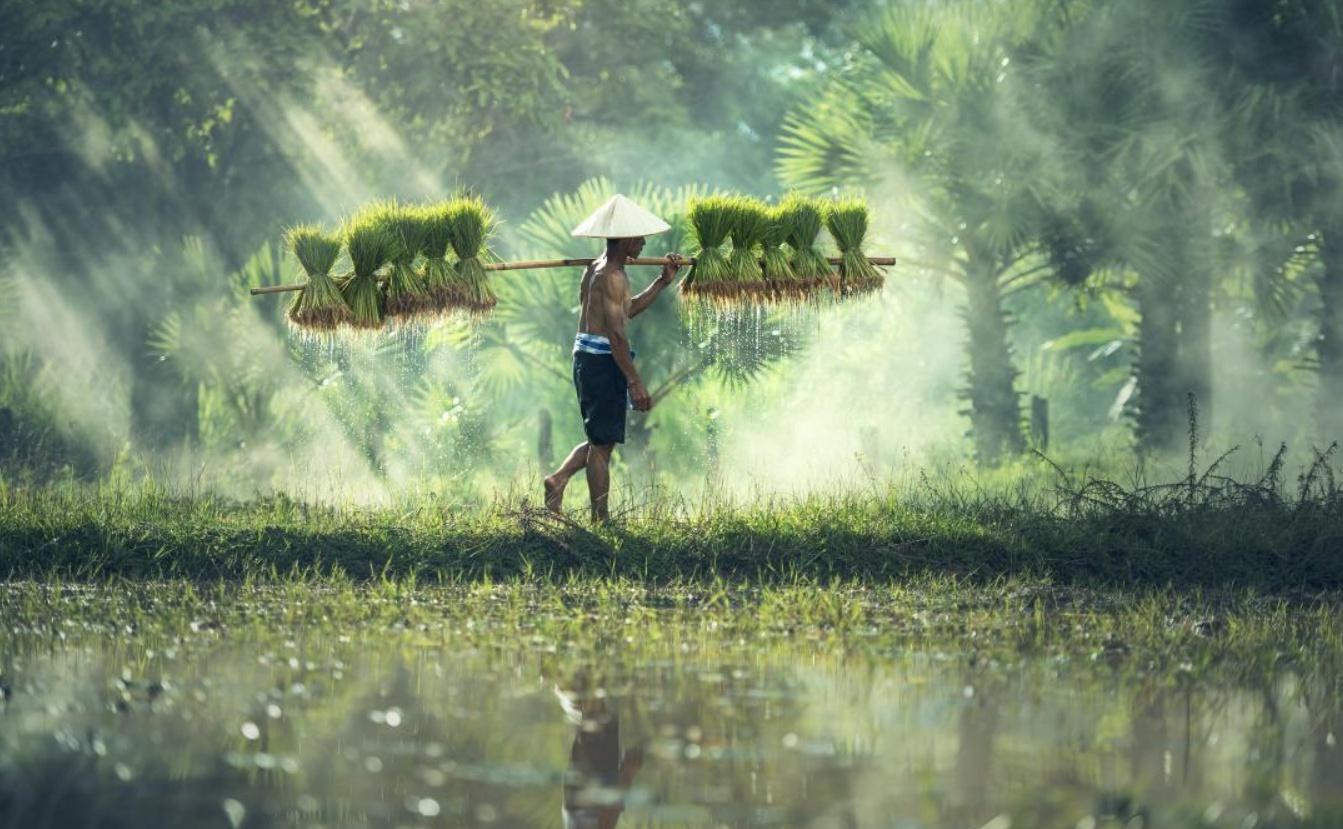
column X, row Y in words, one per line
column 1083, row 338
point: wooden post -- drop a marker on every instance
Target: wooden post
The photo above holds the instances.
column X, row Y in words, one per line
column 545, row 440
column 711, row 449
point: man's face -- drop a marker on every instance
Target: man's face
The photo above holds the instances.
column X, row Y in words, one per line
column 634, row 246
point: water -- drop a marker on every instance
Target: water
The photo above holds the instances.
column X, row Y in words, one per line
column 277, row 718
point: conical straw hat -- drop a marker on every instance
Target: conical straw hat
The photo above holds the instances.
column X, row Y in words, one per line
column 620, row 218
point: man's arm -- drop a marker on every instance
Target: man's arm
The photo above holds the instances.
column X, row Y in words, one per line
column 647, row 295
column 615, row 299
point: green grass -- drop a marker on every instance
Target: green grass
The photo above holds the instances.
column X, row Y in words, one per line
column 1196, row 533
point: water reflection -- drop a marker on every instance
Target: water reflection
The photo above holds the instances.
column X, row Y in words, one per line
column 601, row 771
column 402, row 731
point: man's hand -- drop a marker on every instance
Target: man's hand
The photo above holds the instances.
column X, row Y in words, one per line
column 639, row 396
column 669, row 270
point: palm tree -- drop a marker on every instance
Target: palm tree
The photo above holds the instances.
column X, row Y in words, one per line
column 531, row 334
column 1281, row 80
column 1137, row 141
column 926, row 113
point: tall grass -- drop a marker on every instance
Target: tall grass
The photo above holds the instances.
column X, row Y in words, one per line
column 1206, row 529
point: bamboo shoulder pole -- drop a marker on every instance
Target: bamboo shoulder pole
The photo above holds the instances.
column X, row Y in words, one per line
column 538, row 264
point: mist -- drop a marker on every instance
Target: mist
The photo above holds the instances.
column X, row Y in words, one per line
column 1105, row 248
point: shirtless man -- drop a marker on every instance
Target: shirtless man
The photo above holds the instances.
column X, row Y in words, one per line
column 604, row 374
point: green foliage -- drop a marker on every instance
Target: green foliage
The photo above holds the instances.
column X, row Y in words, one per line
column 1202, row 530
column 774, row 260
column 371, row 245
column 472, row 224
column 406, row 295
column 747, row 221
column 804, row 216
column 711, row 220
column 846, row 219
column 437, row 274
column 319, row 306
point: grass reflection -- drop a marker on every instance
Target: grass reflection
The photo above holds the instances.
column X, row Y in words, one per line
column 603, row 703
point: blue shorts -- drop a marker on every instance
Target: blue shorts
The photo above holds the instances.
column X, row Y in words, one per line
column 603, row 397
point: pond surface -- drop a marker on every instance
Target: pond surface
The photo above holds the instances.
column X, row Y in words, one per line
column 287, row 715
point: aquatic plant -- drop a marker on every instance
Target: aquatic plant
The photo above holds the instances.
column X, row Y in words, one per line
column 805, row 220
column 319, row 306
column 370, row 244
column 472, row 224
column 406, row 297
column 747, row 224
column 437, row 274
column 710, row 222
column 782, row 283
column 846, row 219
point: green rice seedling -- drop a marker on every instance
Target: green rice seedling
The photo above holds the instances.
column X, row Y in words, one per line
column 805, row 219
column 710, row 222
column 846, row 219
column 438, row 274
column 748, row 223
column 319, row 306
column 782, row 284
column 371, row 245
column 472, row 224
column 406, row 296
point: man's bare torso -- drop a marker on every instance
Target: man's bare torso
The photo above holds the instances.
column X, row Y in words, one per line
column 601, row 283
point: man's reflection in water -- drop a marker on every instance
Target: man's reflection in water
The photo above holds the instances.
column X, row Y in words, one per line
column 599, row 775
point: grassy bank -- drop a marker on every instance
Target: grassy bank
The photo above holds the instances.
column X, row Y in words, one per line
column 1203, row 531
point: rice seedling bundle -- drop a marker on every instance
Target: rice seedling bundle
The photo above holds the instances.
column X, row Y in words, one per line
column 782, row 284
column 319, row 306
column 710, row 222
column 369, row 242
column 748, row 221
column 406, row 297
column 805, row 218
column 846, row 219
column 438, row 275
column 472, row 224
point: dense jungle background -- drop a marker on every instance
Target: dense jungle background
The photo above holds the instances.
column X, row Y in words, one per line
column 1103, row 211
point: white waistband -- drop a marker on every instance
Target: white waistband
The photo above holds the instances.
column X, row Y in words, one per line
column 591, row 343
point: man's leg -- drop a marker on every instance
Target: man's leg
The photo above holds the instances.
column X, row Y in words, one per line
column 599, row 479
column 556, row 483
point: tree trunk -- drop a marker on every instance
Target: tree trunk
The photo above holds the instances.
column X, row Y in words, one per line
column 995, row 410
column 1195, row 309
column 1175, row 339
column 1157, row 397
column 1329, row 404
column 545, row 440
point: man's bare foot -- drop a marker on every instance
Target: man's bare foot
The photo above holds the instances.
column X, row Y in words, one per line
column 555, row 494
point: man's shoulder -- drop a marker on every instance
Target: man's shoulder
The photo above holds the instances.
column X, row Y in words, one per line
column 612, row 273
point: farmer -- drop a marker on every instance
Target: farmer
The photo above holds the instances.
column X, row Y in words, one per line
column 604, row 372
column 600, row 773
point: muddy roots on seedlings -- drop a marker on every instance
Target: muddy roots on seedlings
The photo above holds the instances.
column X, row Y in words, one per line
column 781, row 284
column 472, row 224
column 747, row 230
column 406, row 298
column 319, row 306
column 710, row 222
column 846, row 219
column 805, row 219
column 369, row 242
column 437, row 274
